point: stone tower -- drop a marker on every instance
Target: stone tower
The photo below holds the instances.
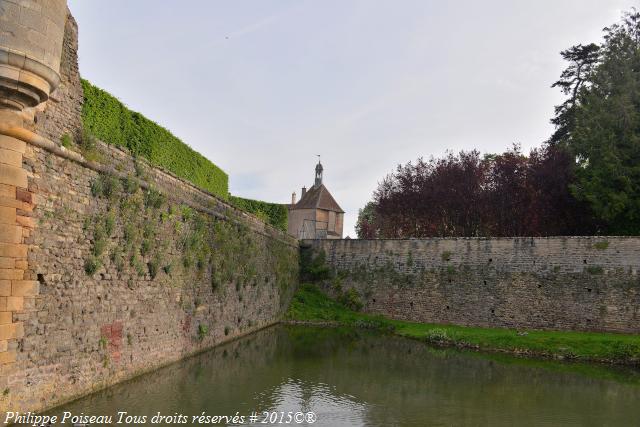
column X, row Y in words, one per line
column 31, row 39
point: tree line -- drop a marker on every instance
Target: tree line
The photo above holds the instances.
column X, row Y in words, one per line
column 585, row 179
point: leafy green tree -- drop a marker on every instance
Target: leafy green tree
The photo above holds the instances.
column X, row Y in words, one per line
column 600, row 124
column 365, row 226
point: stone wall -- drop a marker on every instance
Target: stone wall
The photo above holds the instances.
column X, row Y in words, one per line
column 110, row 267
column 61, row 115
column 122, row 283
column 570, row 283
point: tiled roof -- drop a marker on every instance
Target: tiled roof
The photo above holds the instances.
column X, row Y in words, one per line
column 318, row 198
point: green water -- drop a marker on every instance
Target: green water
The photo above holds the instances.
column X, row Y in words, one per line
column 356, row 378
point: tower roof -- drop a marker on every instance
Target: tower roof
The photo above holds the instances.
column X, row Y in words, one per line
column 318, row 197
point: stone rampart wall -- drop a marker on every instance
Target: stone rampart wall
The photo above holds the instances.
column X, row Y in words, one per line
column 570, row 283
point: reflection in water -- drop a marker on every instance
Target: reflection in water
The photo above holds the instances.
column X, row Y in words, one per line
column 356, row 378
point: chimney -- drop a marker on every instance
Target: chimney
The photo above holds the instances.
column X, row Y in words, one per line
column 304, row 191
column 293, row 198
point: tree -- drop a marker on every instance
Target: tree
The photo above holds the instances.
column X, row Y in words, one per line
column 365, row 226
column 600, row 126
column 508, row 194
column 573, row 79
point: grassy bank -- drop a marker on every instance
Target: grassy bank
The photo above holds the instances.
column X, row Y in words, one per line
column 311, row 305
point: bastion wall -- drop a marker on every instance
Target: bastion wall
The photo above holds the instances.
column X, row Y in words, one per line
column 109, row 267
column 555, row 283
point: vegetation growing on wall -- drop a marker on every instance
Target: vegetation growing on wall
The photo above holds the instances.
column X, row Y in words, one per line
column 272, row 213
column 313, row 266
column 111, row 121
column 140, row 234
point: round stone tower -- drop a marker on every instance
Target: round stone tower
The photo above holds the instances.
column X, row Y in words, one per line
column 31, row 33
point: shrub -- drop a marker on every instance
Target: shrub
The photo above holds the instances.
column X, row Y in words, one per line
column 153, row 266
column 438, row 335
column 351, row 300
column 130, row 232
column 313, row 266
column 153, row 198
column 168, row 268
column 110, row 186
column 111, row 121
column 146, row 246
column 130, row 185
column 96, row 187
column 99, row 246
column 187, row 262
column 89, row 147
column 274, row 214
column 109, row 223
column 92, row 265
column 105, row 186
column 203, row 330
column 66, row 141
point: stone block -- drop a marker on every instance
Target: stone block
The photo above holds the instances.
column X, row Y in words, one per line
column 24, row 195
column 5, row 288
column 10, row 234
column 26, row 221
column 4, row 345
column 13, row 250
column 5, row 317
column 23, row 288
column 7, row 191
column 11, row 274
column 3, row 303
column 15, row 303
column 7, row 215
column 21, row 264
column 8, row 331
column 13, row 176
column 12, row 158
column 11, row 203
column 8, row 262
column 13, row 144
column 7, row 357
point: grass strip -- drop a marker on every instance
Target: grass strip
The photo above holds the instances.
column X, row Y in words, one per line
column 311, row 305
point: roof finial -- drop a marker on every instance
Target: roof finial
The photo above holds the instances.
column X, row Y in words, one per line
column 319, row 168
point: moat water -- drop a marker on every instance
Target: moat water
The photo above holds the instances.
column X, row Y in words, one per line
column 359, row 378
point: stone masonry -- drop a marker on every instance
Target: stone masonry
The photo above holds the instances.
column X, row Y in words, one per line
column 564, row 283
column 30, row 52
column 108, row 267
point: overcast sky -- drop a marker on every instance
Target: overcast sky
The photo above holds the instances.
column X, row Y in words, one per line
column 260, row 87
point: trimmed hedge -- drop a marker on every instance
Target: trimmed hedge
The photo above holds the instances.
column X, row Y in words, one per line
column 109, row 120
column 271, row 213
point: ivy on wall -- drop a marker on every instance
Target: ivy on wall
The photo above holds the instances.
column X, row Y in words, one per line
column 273, row 213
column 108, row 119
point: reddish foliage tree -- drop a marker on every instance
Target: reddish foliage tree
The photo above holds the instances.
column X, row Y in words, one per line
column 508, row 194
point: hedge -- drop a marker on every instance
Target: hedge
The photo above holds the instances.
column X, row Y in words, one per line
column 109, row 120
column 272, row 213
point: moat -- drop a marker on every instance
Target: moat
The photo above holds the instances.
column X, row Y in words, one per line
column 358, row 378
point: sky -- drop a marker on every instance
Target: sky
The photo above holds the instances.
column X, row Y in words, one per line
column 261, row 87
